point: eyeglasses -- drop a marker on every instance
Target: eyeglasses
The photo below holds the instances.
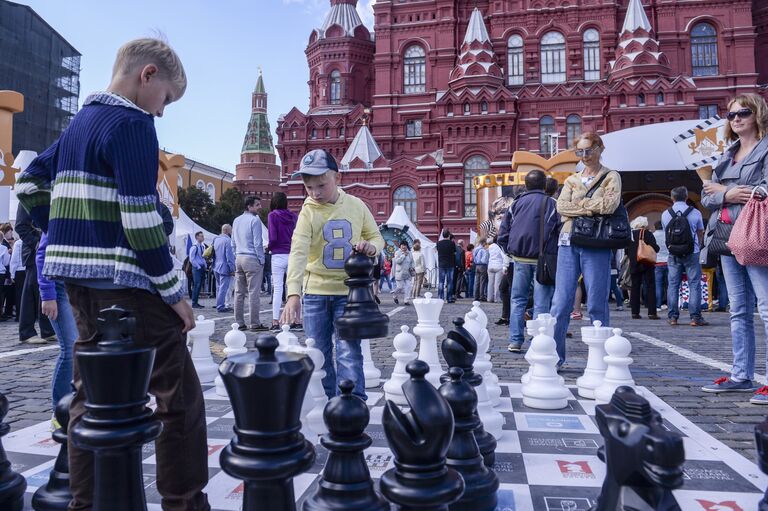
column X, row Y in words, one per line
column 744, row 113
column 581, row 153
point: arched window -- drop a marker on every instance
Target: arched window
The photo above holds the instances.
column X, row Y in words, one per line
column 515, row 60
column 659, row 98
column 200, row 184
column 553, row 58
column 467, row 109
column 502, row 106
column 474, row 166
column 572, row 128
column 414, row 70
column 591, row 54
column 546, row 127
column 211, row 191
column 327, row 132
column 484, row 107
column 335, row 87
column 180, row 181
column 641, row 99
column 405, row 196
column 449, row 109
column 704, row 50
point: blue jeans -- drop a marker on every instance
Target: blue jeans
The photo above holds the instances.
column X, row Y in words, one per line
column 470, row 283
column 595, row 265
column 747, row 285
column 66, row 332
column 387, row 280
column 445, row 284
column 662, row 273
column 320, row 312
column 692, row 267
column 524, row 275
column 616, row 291
column 197, row 279
column 722, row 288
column 222, row 287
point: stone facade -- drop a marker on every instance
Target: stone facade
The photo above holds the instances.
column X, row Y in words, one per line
column 450, row 89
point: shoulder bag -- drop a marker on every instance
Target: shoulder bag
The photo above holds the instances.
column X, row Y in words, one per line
column 602, row 231
column 645, row 253
column 717, row 237
column 546, row 265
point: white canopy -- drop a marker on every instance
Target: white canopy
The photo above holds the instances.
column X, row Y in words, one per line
column 399, row 219
column 186, row 226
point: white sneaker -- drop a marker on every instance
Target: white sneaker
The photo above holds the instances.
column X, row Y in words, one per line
column 35, row 339
column 663, row 307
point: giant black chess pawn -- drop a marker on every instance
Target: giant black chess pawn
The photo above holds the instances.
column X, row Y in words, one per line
column 481, row 483
column 346, row 483
column 12, row 485
column 115, row 376
column 419, row 439
column 55, row 495
column 761, row 440
column 643, row 460
column 267, row 390
column 362, row 318
column 459, row 350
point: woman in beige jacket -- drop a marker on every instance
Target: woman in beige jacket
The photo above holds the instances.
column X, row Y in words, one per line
column 593, row 263
column 419, row 269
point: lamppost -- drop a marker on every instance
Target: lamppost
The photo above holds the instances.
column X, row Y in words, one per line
column 439, row 161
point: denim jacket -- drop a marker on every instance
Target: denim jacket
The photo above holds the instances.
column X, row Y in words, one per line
column 751, row 171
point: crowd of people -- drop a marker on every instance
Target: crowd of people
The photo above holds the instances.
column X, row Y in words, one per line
column 93, row 234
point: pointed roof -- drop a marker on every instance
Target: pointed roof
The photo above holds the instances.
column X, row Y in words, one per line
column 636, row 17
column 344, row 14
column 476, row 30
column 364, row 147
column 260, row 85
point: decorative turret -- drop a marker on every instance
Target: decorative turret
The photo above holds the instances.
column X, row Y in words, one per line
column 477, row 63
column 363, row 152
column 638, row 52
column 257, row 173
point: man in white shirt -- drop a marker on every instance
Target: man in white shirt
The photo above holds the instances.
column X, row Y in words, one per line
column 661, row 263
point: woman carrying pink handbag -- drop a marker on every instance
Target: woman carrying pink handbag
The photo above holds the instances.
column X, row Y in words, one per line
column 743, row 168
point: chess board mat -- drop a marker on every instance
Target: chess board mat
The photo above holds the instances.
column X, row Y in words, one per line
column 545, row 460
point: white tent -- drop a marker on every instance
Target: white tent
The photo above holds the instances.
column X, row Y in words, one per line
column 398, row 220
column 186, row 226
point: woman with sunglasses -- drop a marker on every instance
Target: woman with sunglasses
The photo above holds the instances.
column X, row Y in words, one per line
column 593, row 263
column 743, row 166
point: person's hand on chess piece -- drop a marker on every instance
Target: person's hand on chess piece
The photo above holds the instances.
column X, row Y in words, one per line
column 184, row 310
column 50, row 309
column 292, row 311
column 366, row 248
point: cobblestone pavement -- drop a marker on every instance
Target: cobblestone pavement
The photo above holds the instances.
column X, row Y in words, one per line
column 673, row 369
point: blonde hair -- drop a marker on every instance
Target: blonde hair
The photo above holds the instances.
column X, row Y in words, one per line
column 592, row 137
column 640, row 222
column 149, row 50
column 759, row 109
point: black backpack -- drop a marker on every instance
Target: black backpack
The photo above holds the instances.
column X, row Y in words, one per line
column 678, row 233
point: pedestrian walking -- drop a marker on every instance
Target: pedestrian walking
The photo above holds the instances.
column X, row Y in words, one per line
column 643, row 273
column 496, row 263
column 419, row 269
column 281, row 223
column 199, row 266
column 480, row 257
column 404, row 272
column 223, row 266
column 683, row 246
column 446, row 261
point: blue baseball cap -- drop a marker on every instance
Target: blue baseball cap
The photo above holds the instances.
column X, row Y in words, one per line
column 316, row 163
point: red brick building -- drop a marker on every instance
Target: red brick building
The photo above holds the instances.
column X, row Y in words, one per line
column 450, row 89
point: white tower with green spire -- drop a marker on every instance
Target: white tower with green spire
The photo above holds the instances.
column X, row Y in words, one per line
column 257, row 173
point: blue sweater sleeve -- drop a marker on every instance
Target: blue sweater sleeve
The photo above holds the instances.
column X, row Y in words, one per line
column 132, row 151
column 33, row 187
column 47, row 287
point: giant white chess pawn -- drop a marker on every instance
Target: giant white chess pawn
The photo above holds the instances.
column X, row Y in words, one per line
column 490, row 380
column 235, row 345
column 201, row 350
column 594, row 337
column 315, row 390
column 371, row 373
column 544, row 389
column 287, row 339
column 428, row 328
column 405, row 346
column 493, row 420
column 547, row 322
column 617, row 364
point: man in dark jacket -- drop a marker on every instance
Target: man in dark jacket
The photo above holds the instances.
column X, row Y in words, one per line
column 531, row 216
column 29, row 308
column 446, row 256
column 458, row 269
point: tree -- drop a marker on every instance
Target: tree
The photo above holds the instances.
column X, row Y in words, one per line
column 230, row 205
column 197, row 204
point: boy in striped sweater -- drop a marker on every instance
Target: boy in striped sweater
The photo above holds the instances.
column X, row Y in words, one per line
column 93, row 191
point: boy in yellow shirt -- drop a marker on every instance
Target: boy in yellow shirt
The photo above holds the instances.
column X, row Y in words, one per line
column 331, row 224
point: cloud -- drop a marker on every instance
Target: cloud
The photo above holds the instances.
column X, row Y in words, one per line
column 365, row 10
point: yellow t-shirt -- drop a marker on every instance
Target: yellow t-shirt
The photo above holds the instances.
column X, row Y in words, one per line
column 323, row 240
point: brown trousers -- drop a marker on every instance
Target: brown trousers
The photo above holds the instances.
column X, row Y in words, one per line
column 181, row 450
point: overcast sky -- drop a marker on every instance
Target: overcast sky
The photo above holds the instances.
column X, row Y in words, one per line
column 221, row 44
